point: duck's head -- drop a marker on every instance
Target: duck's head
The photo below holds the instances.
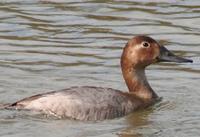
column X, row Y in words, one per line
column 142, row 51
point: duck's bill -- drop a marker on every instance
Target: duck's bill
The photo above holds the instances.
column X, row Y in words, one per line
column 167, row 56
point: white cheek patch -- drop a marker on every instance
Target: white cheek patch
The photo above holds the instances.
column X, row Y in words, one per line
column 138, row 46
column 134, row 50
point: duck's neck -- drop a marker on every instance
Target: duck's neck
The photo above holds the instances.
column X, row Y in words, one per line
column 137, row 83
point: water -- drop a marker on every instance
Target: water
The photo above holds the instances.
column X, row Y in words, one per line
column 53, row 44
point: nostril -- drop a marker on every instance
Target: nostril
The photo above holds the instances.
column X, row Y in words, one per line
column 167, row 53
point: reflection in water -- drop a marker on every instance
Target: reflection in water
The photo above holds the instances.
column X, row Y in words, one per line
column 49, row 45
column 140, row 121
column 136, row 120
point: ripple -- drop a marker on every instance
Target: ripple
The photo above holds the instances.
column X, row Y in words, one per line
column 53, row 44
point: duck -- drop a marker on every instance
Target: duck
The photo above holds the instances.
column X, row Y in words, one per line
column 89, row 103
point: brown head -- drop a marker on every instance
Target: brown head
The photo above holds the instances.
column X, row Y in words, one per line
column 142, row 51
column 138, row 53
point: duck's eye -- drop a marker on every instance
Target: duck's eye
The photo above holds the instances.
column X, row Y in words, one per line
column 145, row 44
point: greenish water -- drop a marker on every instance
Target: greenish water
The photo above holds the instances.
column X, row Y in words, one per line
column 48, row 45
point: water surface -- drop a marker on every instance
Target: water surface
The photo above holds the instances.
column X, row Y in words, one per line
column 48, row 45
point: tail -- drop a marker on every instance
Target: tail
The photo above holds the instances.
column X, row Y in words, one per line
column 5, row 106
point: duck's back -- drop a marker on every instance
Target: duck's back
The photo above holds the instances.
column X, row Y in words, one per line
column 83, row 103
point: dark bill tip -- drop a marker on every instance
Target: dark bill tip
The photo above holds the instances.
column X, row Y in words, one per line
column 167, row 56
